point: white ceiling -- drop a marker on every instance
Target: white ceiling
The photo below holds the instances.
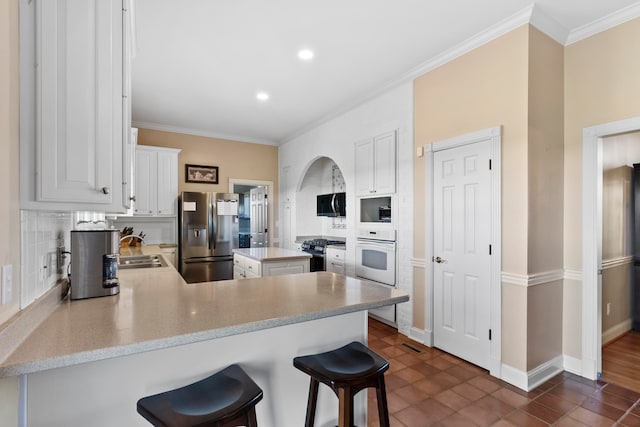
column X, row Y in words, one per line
column 200, row 63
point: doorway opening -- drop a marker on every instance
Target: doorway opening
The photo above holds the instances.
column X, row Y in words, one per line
column 254, row 212
column 592, row 240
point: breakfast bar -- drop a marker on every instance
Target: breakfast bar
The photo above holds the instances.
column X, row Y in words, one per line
column 90, row 360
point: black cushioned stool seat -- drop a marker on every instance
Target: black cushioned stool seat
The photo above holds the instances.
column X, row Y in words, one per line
column 225, row 399
column 346, row 370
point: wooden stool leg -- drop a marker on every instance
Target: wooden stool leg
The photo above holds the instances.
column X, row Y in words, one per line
column 252, row 420
column 383, row 410
column 311, row 403
column 345, row 407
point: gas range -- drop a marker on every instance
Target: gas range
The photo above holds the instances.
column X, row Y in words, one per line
column 318, row 247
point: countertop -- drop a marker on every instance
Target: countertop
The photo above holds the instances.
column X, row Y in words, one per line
column 156, row 309
column 271, row 254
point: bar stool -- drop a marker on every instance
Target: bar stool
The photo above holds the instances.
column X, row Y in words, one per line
column 346, row 370
column 225, row 399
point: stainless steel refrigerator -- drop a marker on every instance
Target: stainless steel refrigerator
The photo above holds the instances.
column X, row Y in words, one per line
column 208, row 235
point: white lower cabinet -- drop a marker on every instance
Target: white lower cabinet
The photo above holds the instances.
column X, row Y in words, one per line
column 275, row 268
column 246, row 268
column 335, row 260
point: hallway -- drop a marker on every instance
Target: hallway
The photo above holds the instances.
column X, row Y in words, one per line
column 427, row 387
column 621, row 361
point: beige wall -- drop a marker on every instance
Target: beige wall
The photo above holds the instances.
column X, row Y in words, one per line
column 484, row 88
column 616, row 235
column 601, row 86
column 616, row 212
column 237, row 160
column 545, row 143
column 545, row 194
column 9, row 209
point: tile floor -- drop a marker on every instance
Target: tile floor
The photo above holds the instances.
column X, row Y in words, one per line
column 428, row 387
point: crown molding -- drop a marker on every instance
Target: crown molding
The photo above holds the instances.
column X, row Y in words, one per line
column 548, row 25
column 606, row 22
column 501, row 28
column 199, row 132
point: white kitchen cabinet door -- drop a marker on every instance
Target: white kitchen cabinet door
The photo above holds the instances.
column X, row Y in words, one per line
column 285, row 267
column 335, row 260
column 167, row 179
column 364, row 168
column 146, row 171
column 79, row 103
column 375, row 166
column 129, row 171
column 385, row 163
column 156, row 181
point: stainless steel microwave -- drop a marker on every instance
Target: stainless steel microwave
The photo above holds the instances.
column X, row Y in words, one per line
column 332, row 204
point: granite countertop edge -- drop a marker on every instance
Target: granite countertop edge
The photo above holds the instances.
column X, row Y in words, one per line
column 271, row 254
column 189, row 338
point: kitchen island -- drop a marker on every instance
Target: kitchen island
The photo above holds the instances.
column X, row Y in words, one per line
column 269, row 261
column 91, row 360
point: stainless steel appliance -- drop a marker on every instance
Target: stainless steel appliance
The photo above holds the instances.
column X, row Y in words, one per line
column 94, row 263
column 333, row 205
column 376, row 261
column 318, row 248
column 208, row 234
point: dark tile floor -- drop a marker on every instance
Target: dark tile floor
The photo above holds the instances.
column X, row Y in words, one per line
column 428, row 387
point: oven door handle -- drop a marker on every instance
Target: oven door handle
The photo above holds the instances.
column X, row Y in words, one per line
column 384, row 246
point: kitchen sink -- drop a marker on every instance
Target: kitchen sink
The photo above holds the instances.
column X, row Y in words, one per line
column 141, row 261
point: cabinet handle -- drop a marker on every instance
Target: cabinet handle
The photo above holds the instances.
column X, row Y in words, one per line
column 105, row 190
column 132, row 198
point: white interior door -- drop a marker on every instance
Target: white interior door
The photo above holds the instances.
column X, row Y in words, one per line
column 259, row 227
column 461, row 249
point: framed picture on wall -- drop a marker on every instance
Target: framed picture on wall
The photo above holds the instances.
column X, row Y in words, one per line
column 200, row 173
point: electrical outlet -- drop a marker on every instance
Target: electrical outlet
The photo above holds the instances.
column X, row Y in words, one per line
column 608, row 308
column 7, row 284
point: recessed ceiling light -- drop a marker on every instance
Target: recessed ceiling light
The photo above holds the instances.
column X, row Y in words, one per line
column 305, row 54
column 262, row 96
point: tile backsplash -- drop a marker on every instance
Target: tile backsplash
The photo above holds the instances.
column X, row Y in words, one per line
column 41, row 234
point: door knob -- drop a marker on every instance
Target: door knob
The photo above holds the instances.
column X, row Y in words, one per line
column 439, row 260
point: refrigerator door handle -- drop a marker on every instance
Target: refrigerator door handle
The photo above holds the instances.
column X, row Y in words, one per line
column 213, row 225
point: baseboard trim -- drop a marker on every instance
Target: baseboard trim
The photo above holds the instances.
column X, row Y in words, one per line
column 573, row 365
column 417, row 334
column 527, row 381
column 616, row 331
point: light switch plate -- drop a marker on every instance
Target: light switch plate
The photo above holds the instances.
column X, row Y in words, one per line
column 7, row 284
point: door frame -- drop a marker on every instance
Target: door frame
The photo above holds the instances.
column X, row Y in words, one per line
column 495, row 321
column 272, row 237
column 592, row 158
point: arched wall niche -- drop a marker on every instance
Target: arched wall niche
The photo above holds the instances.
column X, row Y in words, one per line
column 322, row 175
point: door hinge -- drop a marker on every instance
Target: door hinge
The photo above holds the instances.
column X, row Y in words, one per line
column 489, row 249
column 489, row 164
column 489, row 334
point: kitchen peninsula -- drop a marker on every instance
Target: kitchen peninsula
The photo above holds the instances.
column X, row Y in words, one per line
column 90, row 361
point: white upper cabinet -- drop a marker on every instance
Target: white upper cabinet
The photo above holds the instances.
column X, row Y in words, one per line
column 375, row 167
column 156, row 181
column 73, row 124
